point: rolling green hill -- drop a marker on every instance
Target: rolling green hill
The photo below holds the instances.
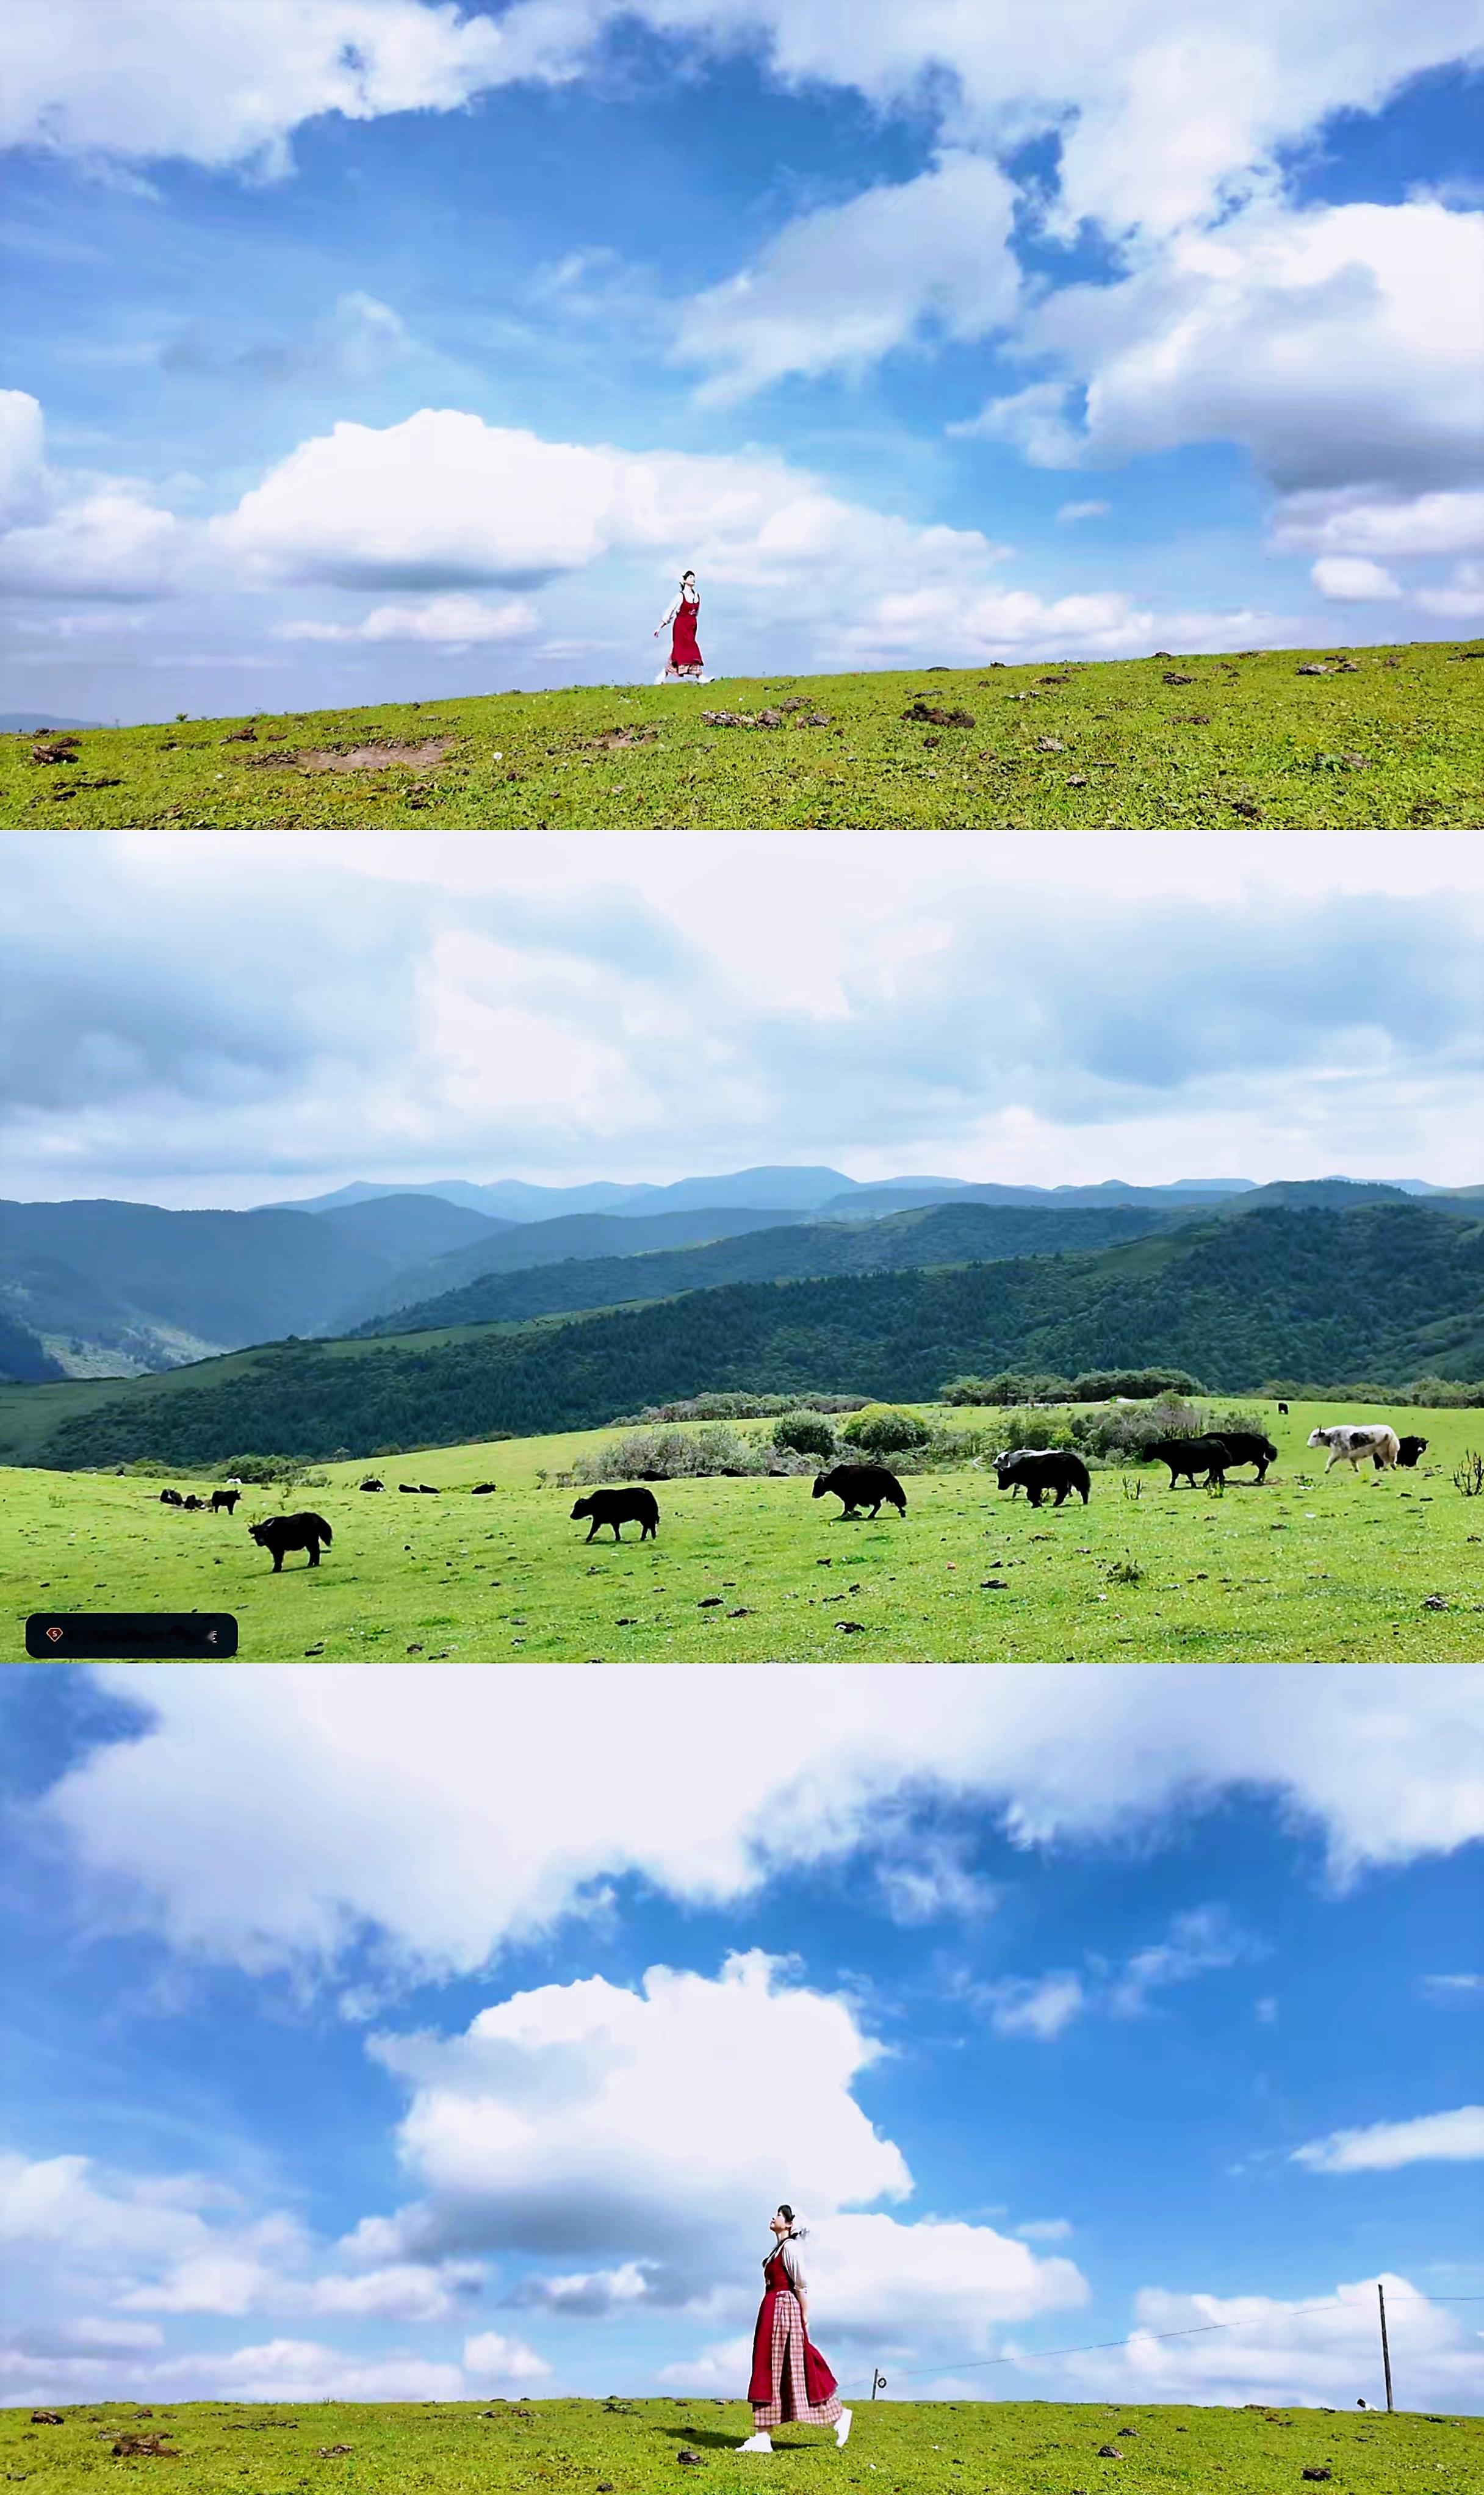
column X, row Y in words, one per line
column 1389, row 1291
column 1381, row 736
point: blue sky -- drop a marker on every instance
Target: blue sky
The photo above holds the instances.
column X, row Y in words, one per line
column 409, row 2034
column 563, row 1011
column 361, row 347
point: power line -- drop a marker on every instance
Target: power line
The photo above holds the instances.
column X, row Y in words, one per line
column 1100, row 2346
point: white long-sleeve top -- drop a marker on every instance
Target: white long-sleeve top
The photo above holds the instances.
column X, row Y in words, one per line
column 794, row 2266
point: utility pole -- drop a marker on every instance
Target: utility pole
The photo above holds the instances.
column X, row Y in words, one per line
column 1380, row 2297
column 877, row 2380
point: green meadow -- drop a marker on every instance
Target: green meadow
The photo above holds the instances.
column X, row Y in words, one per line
column 584, row 2447
column 1352, row 1568
column 1388, row 736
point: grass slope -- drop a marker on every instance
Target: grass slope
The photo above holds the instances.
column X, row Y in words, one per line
column 994, row 2447
column 1389, row 1292
column 1243, row 741
column 757, row 1570
column 941, row 1234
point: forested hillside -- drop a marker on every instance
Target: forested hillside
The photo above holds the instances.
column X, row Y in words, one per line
column 1388, row 1292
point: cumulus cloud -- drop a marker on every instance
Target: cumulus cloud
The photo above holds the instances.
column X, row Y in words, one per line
column 838, row 289
column 1460, row 599
column 227, row 86
column 1251, row 2348
column 1382, row 2146
column 379, row 1806
column 453, row 622
column 1325, row 340
column 1084, row 510
column 1352, row 578
column 76, row 536
column 181, row 2244
column 1349, row 520
column 592, row 2118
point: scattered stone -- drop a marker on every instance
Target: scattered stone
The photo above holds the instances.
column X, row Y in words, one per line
column 333, row 2451
column 850, row 1626
column 144, row 2446
column 1172, row 676
column 56, row 749
column 1316, row 2477
column 1435, row 1602
column 1078, row 780
column 1244, row 807
column 689, row 2459
column 47, row 2416
column 632, row 732
column 933, row 715
column 240, row 736
column 709, row 1603
column 994, row 1584
column 1109, row 2451
column 1312, row 668
column 1346, row 666
column 1049, row 745
column 1191, row 719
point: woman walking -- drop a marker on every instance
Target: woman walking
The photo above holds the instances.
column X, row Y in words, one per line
column 684, row 659
column 791, row 2384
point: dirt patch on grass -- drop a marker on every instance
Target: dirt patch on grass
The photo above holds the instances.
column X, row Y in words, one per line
column 359, row 758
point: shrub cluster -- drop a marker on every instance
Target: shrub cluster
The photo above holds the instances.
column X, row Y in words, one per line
column 1442, row 1394
column 1092, row 1386
column 686, row 1455
column 736, row 1407
column 882, row 1431
column 1121, row 1434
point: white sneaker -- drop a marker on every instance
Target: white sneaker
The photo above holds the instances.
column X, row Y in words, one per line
column 757, row 2442
column 842, row 2428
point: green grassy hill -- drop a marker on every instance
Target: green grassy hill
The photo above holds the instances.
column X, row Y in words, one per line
column 1387, row 737
column 994, row 2447
column 753, row 1568
column 1390, row 1291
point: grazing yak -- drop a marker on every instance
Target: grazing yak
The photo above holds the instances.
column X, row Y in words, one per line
column 171, row 1498
column 1283, row 1408
column 227, row 1499
column 482, row 1490
column 857, row 1485
column 1039, row 1469
column 1350, row 1442
column 620, row 1507
column 1410, row 1449
column 195, row 1505
column 373, row 1484
column 1189, row 1456
column 281, row 1533
column 1248, row 1447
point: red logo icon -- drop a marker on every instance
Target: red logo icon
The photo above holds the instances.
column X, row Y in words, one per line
column 56, row 1635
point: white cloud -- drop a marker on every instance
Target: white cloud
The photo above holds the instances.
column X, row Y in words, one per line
column 1461, row 598
column 1040, row 2006
column 1324, row 340
column 1262, row 2348
column 1045, row 2005
column 839, row 288
column 1084, row 510
column 180, row 2244
column 1350, row 577
column 1351, row 521
column 1452, row 1987
column 225, row 86
column 458, row 622
column 1046, row 2230
column 1382, row 2146
column 76, row 536
column 384, row 1803
column 491, row 2358
column 588, row 2118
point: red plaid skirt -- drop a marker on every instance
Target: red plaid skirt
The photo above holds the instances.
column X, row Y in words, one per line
column 791, row 2384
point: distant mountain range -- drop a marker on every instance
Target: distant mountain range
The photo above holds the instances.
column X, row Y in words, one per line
column 102, row 1288
column 25, row 723
column 781, row 1188
column 1390, row 1290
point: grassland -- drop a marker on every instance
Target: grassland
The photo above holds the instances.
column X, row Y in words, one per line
column 1144, row 742
column 1348, row 1569
column 579, row 2447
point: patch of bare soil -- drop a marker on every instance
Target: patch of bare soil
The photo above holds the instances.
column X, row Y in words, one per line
column 635, row 732
column 357, row 757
